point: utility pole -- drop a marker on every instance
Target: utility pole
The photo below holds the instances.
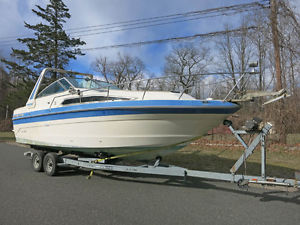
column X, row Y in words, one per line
column 274, row 24
column 279, row 117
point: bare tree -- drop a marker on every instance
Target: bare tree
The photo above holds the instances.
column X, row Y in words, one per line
column 121, row 72
column 129, row 69
column 184, row 62
column 235, row 52
column 103, row 66
column 286, row 112
column 289, row 41
column 261, row 40
column 227, row 58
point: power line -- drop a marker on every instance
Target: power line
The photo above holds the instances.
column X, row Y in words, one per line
column 157, row 24
column 159, row 41
column 262, row 3
column 222, row 10
column 171, row 39
column 9, row 42
column 204, row 35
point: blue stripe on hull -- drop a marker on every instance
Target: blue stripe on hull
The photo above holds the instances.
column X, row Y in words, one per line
column 127, row 104
column 113, row 112
column 127, row 108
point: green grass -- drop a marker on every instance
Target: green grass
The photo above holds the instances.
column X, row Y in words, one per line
column 293, row 138
column 7, row 136
column 279, row 163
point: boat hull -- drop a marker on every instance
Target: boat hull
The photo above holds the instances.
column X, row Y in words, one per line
column 153, row 127
column 117, row 134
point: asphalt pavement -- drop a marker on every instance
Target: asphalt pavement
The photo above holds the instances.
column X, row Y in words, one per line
column 28, row 197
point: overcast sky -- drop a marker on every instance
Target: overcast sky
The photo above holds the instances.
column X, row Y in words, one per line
column 95, row 12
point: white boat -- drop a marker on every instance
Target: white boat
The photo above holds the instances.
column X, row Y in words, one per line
column 86, row 116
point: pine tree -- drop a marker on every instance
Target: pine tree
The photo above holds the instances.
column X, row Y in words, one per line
column 51, row 46
column 4, row 79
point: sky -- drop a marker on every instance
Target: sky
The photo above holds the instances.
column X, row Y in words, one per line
column 96, row 12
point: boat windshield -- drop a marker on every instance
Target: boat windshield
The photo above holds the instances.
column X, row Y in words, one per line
column 58, row 86
column 64, row 84
column 90, row 83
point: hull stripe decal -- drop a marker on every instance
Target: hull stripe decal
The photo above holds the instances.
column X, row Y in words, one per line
column 113, row 112
column 131, row 104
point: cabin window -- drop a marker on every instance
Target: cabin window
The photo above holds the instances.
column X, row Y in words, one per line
column 91, row 99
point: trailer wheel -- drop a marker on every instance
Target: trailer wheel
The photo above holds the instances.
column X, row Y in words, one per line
column 50, row 164
column 37, row 161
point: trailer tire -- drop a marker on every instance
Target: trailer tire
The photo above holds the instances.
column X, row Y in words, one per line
column 50, row 164
column 37, row 161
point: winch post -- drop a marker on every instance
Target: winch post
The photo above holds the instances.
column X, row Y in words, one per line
column 260, row 138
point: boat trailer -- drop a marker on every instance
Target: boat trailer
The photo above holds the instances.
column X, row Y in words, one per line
column 50, row 162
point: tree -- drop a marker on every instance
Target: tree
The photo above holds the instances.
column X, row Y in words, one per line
column 51, row 46
column 235, row 52
column 286, row 35
column 289, row 41
column 4, row 88
column 184, row 62
column 121, row 72
column 260, row 39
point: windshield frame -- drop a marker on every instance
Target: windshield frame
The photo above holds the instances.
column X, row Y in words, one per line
column 100, row 85
column 57, row 81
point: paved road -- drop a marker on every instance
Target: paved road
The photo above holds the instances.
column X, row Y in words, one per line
column 27, row 197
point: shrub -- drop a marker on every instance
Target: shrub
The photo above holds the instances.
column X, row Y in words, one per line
column 6, row 125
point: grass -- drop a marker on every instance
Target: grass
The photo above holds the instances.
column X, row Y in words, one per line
column 280, row 163
column 293, row 138
column 7, row 136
